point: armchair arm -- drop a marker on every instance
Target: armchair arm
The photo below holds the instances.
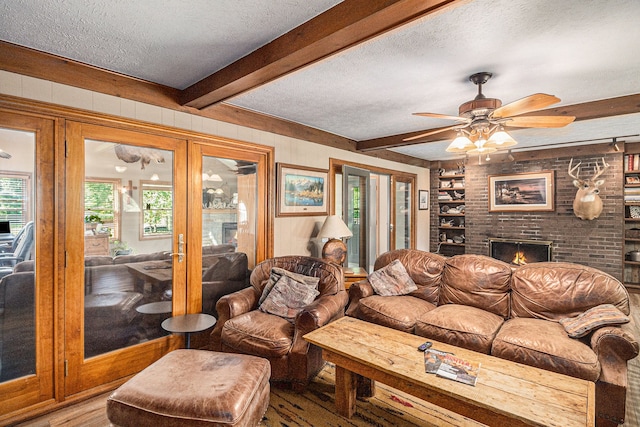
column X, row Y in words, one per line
column 357, row 291
column 229, row 306
column 319, row 313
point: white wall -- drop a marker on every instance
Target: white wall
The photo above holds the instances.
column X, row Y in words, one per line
column 292, row 234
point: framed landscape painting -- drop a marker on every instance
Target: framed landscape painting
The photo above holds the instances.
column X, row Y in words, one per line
column 301, row 191
column 522, row 192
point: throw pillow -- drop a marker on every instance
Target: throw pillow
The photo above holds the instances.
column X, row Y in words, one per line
column 594, row 318
column 392, row 279
column 288, row 297
column 277, row 273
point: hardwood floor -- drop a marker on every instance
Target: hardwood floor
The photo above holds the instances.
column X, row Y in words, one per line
column 92, row 413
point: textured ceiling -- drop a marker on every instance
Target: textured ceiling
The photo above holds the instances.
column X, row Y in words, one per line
column 577, row 50
column 172, row 42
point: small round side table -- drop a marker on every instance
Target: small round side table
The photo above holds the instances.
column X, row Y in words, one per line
column 188, row 323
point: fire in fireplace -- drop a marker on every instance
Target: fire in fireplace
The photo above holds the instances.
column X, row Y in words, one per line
column 520, row 252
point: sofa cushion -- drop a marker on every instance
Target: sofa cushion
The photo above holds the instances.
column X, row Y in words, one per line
column 460, row 325
column 477, row 281
column 545, row 345
column 397, row 312
column 392, row 279
column 258, row 333
column 289, row 297
column 555, row 290
column 594, row 318
column 425, row 268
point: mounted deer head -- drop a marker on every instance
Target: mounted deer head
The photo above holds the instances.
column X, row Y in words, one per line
column 587, row 204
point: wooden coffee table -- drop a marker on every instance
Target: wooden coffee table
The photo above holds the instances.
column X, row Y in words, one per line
column 506, row 393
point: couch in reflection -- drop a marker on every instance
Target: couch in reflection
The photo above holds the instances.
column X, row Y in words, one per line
column 17, row 326
column 116, row 287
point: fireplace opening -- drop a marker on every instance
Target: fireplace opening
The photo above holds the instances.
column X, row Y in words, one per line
column 520, row 252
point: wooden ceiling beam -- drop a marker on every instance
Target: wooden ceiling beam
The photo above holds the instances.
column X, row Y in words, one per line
column 629, row 104
column 344, row 25
column 33, row 63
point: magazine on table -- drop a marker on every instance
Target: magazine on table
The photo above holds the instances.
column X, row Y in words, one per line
column 432, row 360
column 458, row 369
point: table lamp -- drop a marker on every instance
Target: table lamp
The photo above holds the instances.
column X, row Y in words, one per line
column 334, row 229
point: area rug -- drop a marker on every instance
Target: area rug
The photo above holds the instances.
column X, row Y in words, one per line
column 316, row 407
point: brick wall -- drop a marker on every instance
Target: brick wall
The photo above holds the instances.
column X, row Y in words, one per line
column 596, row 243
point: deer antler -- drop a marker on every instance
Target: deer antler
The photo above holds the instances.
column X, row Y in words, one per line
column 576, row 167
column 599, row 171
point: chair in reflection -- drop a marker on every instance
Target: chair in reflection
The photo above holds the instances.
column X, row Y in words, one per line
column 23, row 251
column 17, row 325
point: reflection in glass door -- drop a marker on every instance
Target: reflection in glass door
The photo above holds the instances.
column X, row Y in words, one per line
column 26, row 261
column 229, row 225
column 17, row 254
column 128, row 236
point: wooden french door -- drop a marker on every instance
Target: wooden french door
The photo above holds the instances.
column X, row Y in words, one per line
column 27, row 174
column 125, row 236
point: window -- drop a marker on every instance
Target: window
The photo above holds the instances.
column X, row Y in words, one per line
column 157, row 209
column 15, row 189
column 101, row 205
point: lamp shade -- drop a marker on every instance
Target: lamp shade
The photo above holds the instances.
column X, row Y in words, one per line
column 334, row 228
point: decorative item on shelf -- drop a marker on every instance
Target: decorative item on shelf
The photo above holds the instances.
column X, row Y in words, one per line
column 458, row 239
column 634, row 212
column 458, row 196
column 334, row 229
column 445, row 209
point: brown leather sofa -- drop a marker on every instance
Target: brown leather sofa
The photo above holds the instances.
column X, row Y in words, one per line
column 243, row 328
column 486, row 305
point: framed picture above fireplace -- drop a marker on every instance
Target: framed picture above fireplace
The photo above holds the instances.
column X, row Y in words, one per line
column 522, row 192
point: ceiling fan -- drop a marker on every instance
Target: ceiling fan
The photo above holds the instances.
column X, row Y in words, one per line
column 481, row 121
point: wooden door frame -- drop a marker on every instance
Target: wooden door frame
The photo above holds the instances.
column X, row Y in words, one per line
column 335, row 166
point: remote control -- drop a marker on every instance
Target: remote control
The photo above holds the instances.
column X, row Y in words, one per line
column 425, row 346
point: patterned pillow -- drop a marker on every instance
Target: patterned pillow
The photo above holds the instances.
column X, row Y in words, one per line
column 288, row 297
column 392, row 279
column 277, row 273
column 594, row 318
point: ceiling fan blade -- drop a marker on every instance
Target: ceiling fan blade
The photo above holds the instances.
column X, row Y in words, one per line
column 422, row 135
column 443, row 116
column 525, row 105
column 539, row 121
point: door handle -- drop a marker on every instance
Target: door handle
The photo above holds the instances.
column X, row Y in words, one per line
column 180, row 252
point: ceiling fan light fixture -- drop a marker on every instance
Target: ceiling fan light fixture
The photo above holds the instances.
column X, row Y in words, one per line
column 483, row 150
column 502, row 139
column 461, row 144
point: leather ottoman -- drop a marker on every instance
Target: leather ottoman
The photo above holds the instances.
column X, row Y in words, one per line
column 194, row 388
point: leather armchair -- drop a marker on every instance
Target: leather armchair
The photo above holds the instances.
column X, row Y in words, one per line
column 243, row 328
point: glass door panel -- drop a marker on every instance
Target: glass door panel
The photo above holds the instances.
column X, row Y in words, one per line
column 128, row 236
column 229, row 225
column 355, row 205
column 26, row 261
column 125, row 229
column 403, row 209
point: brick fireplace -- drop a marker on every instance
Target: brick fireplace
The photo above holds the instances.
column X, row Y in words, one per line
column 596, row 243
column 520, row 252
